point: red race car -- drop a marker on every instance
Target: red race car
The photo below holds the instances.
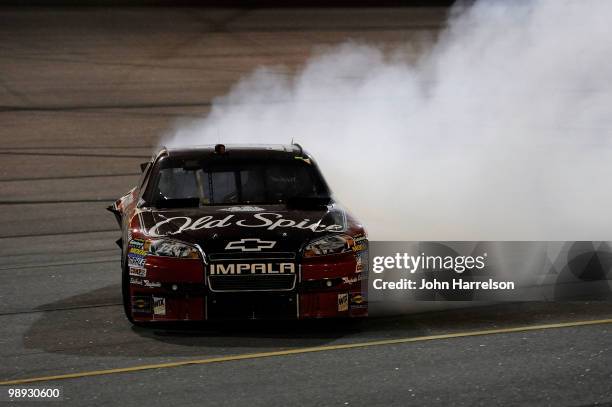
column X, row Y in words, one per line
column 216, row 233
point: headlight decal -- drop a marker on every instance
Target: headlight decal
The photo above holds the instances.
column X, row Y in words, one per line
column 139, row 249
column 331, row 244
column 171, row 248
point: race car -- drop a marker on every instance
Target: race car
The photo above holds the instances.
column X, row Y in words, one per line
column 238, row 232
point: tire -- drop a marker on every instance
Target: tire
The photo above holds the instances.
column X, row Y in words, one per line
column 125, row 293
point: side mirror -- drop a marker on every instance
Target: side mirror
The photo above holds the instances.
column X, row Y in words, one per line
column 143, row 166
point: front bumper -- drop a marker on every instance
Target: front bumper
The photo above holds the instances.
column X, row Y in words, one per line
column 168, row 289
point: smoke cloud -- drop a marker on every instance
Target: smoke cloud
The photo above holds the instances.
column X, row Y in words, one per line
column 499, row 130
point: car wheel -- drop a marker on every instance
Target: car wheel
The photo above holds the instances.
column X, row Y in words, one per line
column 125, row 293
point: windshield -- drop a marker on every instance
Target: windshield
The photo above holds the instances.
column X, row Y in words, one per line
column 196, row 183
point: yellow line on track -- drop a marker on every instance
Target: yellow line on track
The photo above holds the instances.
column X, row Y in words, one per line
column 304, row 350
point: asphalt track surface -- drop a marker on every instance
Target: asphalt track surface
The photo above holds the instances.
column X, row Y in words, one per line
column 85, row 95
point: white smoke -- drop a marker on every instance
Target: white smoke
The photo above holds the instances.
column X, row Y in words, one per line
column 500, row 131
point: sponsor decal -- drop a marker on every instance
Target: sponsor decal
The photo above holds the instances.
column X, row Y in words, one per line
column 361, row 243
column 136, row 253
column 141, row 304
column 359, row 247
column 268, row 221
column 343, row 302
column 250, row 245
column 358, row 301
column 139, row 252
column 159, row 306
column 135, row 260
column 137, row 244
column 144, row 283
column 151, row 284
column 251, row 268
column 360, row 263
column 138, row 271
column 352, row 280
column 242, row 209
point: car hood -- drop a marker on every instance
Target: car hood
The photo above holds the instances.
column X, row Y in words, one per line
column 265, row 228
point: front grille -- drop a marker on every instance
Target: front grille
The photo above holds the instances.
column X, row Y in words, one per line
column 251, row 282
column 271, row 282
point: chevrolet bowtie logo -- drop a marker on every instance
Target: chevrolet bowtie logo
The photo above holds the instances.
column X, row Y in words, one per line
column 250, row 245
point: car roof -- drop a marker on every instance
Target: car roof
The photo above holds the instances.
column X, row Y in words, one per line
column 271, row 151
